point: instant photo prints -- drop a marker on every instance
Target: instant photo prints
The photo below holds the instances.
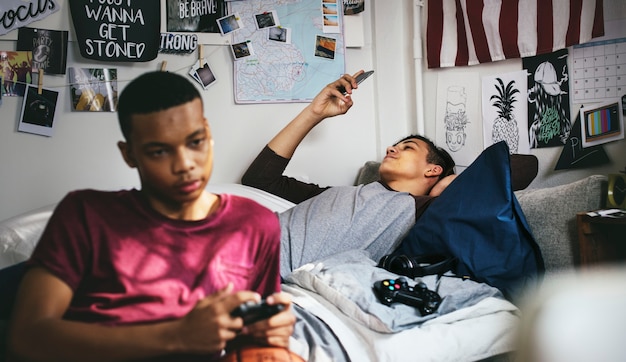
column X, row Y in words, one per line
column 38, row 111
column 242, row 50
column 203, row 74
column 229, row 23
column 325, row 47
column 279, row 34
column 266, row 19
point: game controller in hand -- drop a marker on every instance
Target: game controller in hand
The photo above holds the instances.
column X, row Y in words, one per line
column 398, row 290
column 252, row 311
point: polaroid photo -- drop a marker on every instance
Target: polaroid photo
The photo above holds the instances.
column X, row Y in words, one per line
column 325, row 47
column 38, row 111
column 601, row 123
column 229, row 23
column 330, row 9
column 242, row 50
column 203, row 75
column 266, row 19
column 279, row 34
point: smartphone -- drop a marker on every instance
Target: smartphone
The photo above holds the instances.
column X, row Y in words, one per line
column 253, row 312
column 359, row 79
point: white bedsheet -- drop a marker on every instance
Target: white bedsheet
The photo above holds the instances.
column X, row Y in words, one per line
column 470, row 334
column 473, row 321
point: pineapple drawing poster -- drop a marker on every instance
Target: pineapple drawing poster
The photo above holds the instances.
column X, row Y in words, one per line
column 505, row 111
column 458, row 116
column 549, row 118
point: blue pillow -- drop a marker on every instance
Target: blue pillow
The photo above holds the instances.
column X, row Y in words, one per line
column 478, row 220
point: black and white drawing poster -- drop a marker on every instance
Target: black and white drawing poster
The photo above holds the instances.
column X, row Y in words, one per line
column 505, row 111
column 549, row 120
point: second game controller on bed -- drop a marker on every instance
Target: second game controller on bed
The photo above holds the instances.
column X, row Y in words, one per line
column 398, row 290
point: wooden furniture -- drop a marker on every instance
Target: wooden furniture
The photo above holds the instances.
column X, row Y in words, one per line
column 601, row 239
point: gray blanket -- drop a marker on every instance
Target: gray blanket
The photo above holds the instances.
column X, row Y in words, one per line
column 346, row 280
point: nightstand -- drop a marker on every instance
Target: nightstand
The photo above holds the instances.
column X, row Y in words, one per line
column 601, row 239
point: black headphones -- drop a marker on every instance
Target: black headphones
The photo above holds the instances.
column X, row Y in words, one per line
column 417, row 266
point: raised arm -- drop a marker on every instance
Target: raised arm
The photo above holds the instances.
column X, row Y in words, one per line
column 329, row 102
column 266, row 171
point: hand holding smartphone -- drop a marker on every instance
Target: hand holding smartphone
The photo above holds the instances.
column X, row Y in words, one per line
column 360, row 78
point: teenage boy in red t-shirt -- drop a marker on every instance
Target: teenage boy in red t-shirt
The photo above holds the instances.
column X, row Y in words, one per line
column 152, row 273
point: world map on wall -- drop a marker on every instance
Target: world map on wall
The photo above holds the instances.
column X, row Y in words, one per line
column 284, row 72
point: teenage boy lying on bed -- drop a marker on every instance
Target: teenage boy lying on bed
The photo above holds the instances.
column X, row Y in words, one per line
column 330, row 220
column 152, row 273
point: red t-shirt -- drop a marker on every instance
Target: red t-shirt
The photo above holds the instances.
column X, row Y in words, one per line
column 126, row 263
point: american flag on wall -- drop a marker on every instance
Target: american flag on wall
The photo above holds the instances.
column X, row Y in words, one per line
column 469, row 32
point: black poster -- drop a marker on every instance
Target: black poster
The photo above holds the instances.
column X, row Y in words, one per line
column 49, row 48
column 117, row 30
column 197, row 16
column 549, row 122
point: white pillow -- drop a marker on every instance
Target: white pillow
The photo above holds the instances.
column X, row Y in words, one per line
column 20, row 234
column 264, row 198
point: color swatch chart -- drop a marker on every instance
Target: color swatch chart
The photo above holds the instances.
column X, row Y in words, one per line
column 599, row 71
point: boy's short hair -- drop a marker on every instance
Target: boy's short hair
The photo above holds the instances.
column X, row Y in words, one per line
column 152, row 92
column 436, row 155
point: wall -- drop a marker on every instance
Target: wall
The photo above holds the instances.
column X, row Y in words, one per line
column 37, row 170
column 548, row 157
column 82, row 153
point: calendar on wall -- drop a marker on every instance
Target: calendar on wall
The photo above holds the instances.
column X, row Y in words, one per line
column 599, row 71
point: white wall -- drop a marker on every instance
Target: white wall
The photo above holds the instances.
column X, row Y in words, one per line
column 36, row 170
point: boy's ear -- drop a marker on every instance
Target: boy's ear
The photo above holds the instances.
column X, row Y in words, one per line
column 126, row 154
column 434, row 170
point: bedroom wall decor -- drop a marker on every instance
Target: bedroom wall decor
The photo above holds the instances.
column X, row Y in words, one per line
column 116, row 30
column 16, row 13
column 549, row 121
column 463, row 33
column 49, row 48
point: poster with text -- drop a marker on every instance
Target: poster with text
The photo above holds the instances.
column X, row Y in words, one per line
column 117, row 31
column 549, row 121
column 197, row 16
column 49, row 48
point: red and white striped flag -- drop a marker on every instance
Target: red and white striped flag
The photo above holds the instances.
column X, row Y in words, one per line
column 468, row 32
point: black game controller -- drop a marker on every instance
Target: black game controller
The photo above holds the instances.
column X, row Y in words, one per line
column 398, row 290
column 252, row 311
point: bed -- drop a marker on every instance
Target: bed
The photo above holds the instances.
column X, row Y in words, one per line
column 340, row 317
column 474, row 321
